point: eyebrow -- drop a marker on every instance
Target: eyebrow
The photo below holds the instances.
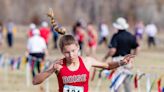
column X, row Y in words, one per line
column 70, row 50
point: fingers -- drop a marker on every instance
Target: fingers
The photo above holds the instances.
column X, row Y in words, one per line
column 128, row 58
column 58, row 61
column 55, row 66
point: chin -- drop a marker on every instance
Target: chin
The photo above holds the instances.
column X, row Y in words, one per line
column 72, row 59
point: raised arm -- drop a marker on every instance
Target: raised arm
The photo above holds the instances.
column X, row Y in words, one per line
column 39, row 78
column 110, row 65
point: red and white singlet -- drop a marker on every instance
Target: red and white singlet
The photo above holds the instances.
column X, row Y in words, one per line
column 73, row 81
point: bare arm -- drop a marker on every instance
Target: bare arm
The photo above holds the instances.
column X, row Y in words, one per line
column 39, row 78
column 55, row 67
column 110, row 65
column 106, row 65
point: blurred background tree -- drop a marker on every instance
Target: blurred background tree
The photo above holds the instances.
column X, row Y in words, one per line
column 68, row 11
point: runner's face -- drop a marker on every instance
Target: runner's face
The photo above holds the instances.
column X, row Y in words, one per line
column 70, row 52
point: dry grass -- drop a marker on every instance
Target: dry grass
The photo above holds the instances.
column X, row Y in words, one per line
column 148, row 61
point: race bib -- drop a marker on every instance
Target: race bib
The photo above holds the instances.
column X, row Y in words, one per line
column 68, row 88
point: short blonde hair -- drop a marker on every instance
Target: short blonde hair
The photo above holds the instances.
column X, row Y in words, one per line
column 67, row 40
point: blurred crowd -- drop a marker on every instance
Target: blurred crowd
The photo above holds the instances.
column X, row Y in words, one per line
column 88, row 34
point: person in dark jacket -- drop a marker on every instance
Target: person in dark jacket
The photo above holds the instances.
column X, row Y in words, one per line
column 122, row 43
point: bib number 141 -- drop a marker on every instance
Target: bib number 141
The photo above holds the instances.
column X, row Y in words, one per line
column 68, row 88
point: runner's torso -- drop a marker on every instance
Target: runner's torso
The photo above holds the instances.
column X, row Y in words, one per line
column 69, row 80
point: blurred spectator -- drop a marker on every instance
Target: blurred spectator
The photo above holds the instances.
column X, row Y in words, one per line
column 45, row 31
column 11, row 29
column 31, row 28
column 80, row 35
column 151, row 31
column 36, row 48
column 92, row 38
column 139, row 30
column 122, row 44
column 104, row 32
column 55, row 37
